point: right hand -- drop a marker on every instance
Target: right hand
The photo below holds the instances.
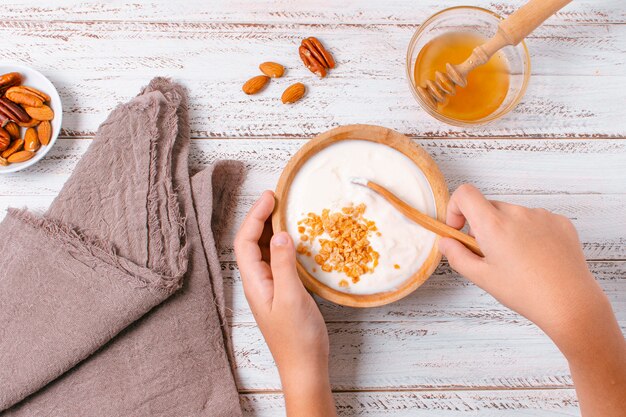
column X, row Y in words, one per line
column 533, row 263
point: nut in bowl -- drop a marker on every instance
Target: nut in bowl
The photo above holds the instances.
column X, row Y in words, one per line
column 353, row 248
column 30, row 117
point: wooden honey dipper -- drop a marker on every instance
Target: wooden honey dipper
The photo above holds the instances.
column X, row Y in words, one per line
column 511, row 31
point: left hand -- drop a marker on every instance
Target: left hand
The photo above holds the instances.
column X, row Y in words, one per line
column 287, row 315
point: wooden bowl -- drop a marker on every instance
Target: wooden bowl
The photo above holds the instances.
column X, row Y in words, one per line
column 396, row 141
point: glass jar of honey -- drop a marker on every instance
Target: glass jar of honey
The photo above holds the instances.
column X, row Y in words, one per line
column 492, row 90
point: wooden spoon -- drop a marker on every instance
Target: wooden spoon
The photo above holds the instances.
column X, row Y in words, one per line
column 420, row 218
column 511, row 31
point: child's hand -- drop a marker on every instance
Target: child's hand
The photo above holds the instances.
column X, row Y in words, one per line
column 534, row 264
column 533, row 260
column 287, row 315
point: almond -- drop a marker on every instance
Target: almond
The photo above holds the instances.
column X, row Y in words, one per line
column 31, row 140
column 44, row 132
column 20, row 156
column 272, row 69
column 13, row 129
column 255, row 84
column 32, row 123
column 293, row 93
column 5, row 139
column 40, row 113
column 15, row 146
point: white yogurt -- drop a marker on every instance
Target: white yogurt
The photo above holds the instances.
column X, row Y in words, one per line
column 324, row 182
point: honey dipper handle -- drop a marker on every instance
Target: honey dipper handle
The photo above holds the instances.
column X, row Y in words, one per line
column 528, row 18
column 426, row 221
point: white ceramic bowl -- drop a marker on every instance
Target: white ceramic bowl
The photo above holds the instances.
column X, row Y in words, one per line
column 35, row 79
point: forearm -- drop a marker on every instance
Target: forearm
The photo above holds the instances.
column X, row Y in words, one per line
column 601, row 384
column 596, row 353
column 307, row 392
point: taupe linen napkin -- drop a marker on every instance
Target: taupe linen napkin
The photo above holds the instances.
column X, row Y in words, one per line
column 111, row 303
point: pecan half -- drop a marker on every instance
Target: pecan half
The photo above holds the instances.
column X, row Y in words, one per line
column 13, row 111
column 9, row 80
column 44, row 97
column 330, row 62
column 311, row 63
column 23, row 96
column 315, row 56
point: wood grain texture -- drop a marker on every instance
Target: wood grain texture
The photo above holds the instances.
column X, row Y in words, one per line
column 536, row 403
column 281, row 11
column 445, row 296
column 449, row 334
column 532, row 173
column 496, row 166
column 448, row 349
column 97, row 64
column 427, row 326
column 417, row 354
column 599, row 218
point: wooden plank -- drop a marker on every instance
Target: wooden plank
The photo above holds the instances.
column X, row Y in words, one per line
column 494, row 166
column 446, row 296
column 497, row 167
column 279, row 11
column 502, row 169
column 98, row 64
column 458, row 354
column 447, row 335
column 536, row 403
column 430, row 343
column 444, row 285
column 598, row 218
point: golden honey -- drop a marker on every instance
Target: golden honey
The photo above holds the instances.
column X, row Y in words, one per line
column 487, row 85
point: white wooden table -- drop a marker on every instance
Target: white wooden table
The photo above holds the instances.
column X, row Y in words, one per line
column 449, row 349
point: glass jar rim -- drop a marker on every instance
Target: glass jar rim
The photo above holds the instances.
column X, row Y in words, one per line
column 458, row 122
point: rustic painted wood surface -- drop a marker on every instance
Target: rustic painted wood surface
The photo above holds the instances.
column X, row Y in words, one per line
column 434, row 403
column 448, row 349
column 98, row 55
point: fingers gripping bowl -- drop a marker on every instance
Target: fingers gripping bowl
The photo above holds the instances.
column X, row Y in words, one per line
column 353, row 248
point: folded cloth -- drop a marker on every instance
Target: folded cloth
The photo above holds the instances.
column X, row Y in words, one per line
column 111, row 303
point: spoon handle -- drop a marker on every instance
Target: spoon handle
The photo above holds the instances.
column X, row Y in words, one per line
column 424, row 220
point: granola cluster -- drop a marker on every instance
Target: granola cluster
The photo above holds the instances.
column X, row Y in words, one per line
column 344, row 240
